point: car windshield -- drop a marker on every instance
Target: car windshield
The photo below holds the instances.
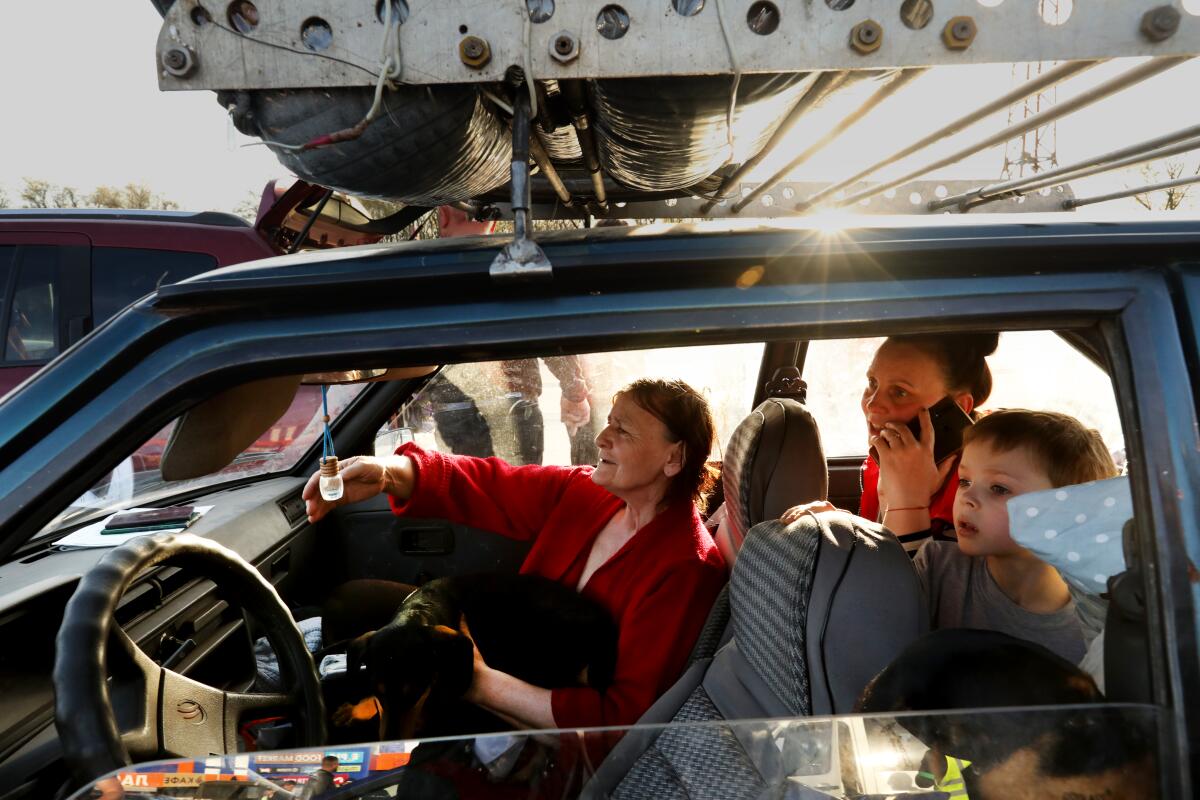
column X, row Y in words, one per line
column 138, row 481
column 994, row 752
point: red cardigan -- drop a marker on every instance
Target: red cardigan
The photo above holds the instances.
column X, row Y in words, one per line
column 658, row 587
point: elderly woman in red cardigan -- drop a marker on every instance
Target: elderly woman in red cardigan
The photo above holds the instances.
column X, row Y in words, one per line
column 626, row 533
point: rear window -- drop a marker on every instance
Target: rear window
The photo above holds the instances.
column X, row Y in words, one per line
column 121, row 275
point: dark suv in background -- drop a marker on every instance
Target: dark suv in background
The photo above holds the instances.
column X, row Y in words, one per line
column 65, row 271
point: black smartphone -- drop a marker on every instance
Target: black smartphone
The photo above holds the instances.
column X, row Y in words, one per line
column 949, row 421
column 172, row 516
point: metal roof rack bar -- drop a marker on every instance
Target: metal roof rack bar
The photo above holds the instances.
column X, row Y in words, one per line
column 1076, row 202
column 644, row 38
column 1178, row 142
column 850, row 120
column 1044, row 81
column 823, row 84
column 1112, row 86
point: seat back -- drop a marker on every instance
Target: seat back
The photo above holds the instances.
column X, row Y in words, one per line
column 818, row 608
column 774, row 461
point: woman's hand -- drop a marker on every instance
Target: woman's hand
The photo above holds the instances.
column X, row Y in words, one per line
column 796, row 512
column 575, row 414
column 908, row 478
column 476, row 693
column 363, row 477
column 521, row 704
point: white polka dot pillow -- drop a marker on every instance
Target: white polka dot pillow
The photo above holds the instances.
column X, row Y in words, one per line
column 1075, row 529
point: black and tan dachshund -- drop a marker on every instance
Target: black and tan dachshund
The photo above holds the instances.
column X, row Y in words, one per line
column 1080, row 749
column 416, row 669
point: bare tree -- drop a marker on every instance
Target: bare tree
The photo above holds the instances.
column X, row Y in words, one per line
column 36, row 193
column 133, row 195
column 247, row 209
column 66, row 197
column 1158, row 172
column 3, row 198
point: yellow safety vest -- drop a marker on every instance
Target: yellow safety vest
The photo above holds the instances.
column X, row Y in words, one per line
column 952, row 782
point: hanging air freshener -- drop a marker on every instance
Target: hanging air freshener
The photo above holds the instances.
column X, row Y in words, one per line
column 331, row 476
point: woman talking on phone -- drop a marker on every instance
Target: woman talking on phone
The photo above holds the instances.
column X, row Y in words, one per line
column 903, row 486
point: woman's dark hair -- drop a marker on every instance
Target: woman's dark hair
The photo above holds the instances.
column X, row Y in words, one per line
column 685, row 414
column 961, row 356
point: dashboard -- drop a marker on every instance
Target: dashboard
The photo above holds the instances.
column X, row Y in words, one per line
column 177, row 619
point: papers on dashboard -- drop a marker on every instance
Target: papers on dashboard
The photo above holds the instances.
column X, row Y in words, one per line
column 94, row 535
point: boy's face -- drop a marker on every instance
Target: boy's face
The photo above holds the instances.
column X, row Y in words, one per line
column 987, row 479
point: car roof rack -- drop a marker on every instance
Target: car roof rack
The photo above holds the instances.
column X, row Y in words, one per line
column 215, row 218
column 553, row 47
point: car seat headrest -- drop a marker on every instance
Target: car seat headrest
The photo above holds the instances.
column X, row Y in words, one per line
column 774, row 461
column 786, row 382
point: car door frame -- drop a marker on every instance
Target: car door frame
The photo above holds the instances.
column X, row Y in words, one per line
column 1133, row 308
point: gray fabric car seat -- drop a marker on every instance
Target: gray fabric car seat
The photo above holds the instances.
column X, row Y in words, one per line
column 818, row 608
column 774, row 461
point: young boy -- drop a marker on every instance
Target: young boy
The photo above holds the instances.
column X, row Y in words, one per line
column 985, row 579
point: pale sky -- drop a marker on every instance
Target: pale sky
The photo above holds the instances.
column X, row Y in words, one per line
column 82, row 108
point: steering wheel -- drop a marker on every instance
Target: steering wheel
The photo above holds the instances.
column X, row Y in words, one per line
column 180, row 716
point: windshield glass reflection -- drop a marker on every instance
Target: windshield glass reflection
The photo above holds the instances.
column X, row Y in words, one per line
column 1093, row 750
column 137, row 481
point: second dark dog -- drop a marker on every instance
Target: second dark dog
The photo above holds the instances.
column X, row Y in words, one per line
column 417, row 668
column 1090, row 750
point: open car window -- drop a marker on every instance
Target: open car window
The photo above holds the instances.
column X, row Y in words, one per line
column 549, row 410
column 1044, row 751
column 138, row 481
column 1030, row 369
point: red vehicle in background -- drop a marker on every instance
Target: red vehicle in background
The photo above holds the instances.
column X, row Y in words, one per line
column 64, row 272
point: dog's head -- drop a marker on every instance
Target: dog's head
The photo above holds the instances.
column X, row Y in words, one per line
column 404, row 665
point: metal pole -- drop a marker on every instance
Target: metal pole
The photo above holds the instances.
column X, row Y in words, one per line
column 1050, row 177
column 822, row 86
column 546, row 165
column 312, row 218
column 881, row 94
column 1154, row 187
column 1153, row 155
column 1047, row 79
column 577, row 105
column 1112, row 86
column 520, row 168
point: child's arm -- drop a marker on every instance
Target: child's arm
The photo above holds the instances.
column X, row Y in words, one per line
column 796, row 512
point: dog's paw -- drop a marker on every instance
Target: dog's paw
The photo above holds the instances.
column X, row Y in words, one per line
column 343, row 716
column 348, row 714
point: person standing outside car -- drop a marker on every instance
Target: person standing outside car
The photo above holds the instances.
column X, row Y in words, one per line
column 626, row 533
column 321, row 782
column 464, row 428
